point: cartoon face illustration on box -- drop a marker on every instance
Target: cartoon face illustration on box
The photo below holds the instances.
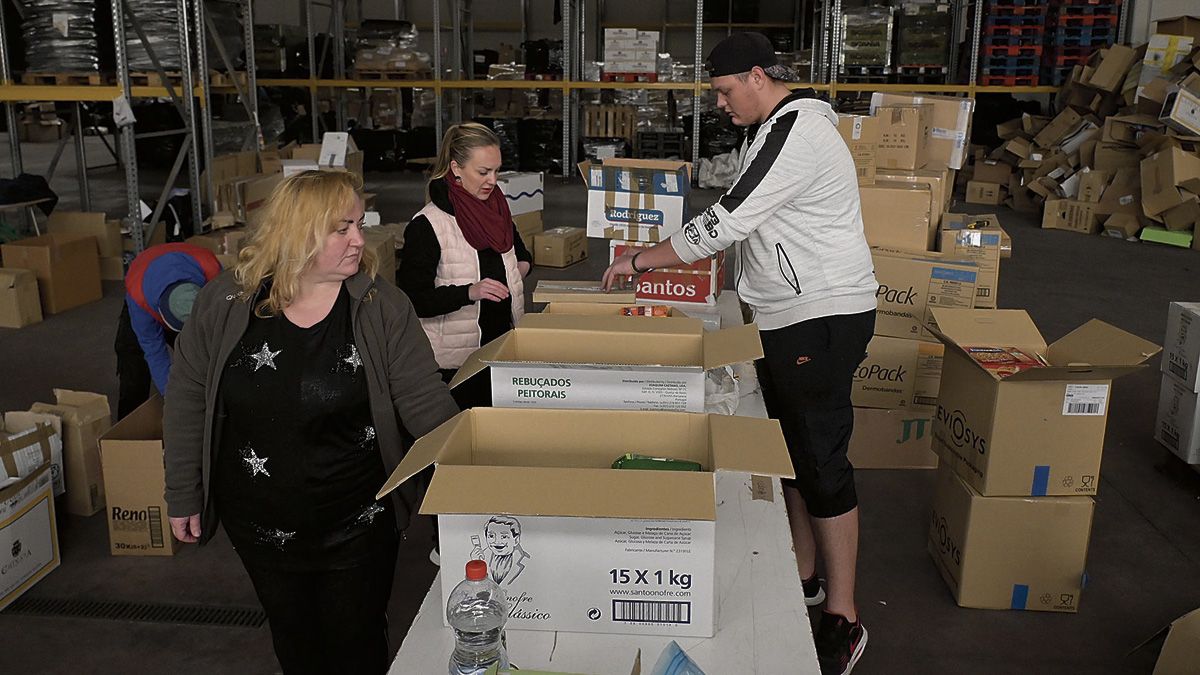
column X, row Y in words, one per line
column 505, row 557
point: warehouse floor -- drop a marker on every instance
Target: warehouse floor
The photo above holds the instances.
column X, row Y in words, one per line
column 1144, row 563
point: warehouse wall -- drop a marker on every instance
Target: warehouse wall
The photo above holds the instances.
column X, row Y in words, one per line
column 1145, row 12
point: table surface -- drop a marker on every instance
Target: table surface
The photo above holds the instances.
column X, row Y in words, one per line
column 762, row 622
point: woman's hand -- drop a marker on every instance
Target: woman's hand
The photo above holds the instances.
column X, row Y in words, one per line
column 487, row 289
column 523, row 267
column 186, row 529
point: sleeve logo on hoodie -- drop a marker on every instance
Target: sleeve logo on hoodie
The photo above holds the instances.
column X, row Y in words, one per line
column 710, row 221
column 692, row 234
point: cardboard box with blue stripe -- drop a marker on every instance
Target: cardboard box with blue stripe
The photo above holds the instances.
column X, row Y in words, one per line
column 1037, row 432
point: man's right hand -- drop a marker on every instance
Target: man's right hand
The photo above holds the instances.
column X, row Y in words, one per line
column 186, row 529
column 487, row 289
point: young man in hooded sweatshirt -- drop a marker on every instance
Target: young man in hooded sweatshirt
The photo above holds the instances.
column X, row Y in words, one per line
column 804, row 268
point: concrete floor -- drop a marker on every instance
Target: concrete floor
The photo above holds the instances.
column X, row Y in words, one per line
column 1144, row 563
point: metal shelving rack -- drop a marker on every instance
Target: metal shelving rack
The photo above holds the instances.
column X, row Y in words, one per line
column 194, row 25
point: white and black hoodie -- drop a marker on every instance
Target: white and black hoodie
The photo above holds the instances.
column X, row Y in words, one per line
column 794, row 211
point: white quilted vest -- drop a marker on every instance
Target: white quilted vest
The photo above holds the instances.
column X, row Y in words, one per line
column 456, row 335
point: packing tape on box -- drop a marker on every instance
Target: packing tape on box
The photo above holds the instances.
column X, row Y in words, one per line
column 760, row 489
column 1020, row 596
column 1041, row 481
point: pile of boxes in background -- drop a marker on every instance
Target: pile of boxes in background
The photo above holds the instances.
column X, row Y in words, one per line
column 630, row 55
column 1177, row 426
column 1020, row 452
column 1121, row 156
column 906, row 154
column 50, row 451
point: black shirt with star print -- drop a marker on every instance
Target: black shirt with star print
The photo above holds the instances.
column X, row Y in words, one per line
column 298, row 465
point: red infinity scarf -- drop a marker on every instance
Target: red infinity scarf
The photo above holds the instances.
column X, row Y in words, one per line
column 486, row 223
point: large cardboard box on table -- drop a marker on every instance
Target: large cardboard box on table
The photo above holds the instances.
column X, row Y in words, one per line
column 28, row 532
column 560, row 247
column 525, row 191
column 1177, row 423
column 131, row 458
column 949, row 119
column 892, row 439
column 861, row 134
column 700, row 282
column 1181, row 346
column 19, row 302
column 903, row 136
column 67, row 268
column 608, row 362
column 898, row 215
column 982, row 247
column 912, row 284
column 577, row 545
column 1038, row 432
column 898, row 374
column 1009, row 552
column 85, row 418
column 636, row 199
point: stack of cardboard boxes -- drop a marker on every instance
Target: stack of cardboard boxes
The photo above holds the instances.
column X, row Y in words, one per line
column 65, row 264
column 905, row 154
column 525, row 192
column 1178, row 423
column 1020, row 451
column 1121, row 155
column 628, row 51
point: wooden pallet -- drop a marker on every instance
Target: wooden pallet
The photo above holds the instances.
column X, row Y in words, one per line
column 219, row 79
column 67, row 79
column 628, row 77
column 610, row 121
column 391, row 75
column 154, row 79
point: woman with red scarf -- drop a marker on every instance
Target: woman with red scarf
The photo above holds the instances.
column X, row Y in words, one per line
column 463, row 264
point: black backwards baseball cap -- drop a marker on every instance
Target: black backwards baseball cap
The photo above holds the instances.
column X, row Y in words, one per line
column 740, row 52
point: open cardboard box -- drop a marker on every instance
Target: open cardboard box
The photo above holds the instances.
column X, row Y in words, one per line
column 559, row 290
column 597, row 309
column 609, row 362
column 1039, row 432
column 577, row 519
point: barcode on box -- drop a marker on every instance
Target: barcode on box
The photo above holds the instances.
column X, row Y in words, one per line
column 156, row 531
column 925, row 400
column 1085, row 399
column 1170, row 436
column 1179, row 370
column 651, row 611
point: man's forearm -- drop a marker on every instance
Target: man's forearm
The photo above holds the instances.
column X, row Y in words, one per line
column 658, row 256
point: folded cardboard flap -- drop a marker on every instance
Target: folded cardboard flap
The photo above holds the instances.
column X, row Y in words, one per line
column 143, row 424
column 39, row 437
column 731, row 433
column 1179, row 651
column 731, row 345
column 1098, row 343
column 987, row 327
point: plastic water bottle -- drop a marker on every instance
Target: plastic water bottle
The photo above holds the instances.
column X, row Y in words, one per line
column 477, row 610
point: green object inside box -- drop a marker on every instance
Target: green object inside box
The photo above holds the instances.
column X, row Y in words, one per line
column 1161, row 235
column 647, row 463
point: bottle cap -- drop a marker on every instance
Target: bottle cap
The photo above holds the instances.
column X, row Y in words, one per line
column 476, row 570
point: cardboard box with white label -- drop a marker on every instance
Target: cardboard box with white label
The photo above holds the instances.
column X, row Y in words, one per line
column 950, row 120
column 1181, row 345
column 1009, row 552
column 982, row 247
column 131, row 457
column 28, row 533
column 911, row 284
column 892, row 439
column 1038, row 432
column 607, row 362
column 861, row 134
column 898, row 373
column 577, row 545
column 1177, row 424
column 636, row 199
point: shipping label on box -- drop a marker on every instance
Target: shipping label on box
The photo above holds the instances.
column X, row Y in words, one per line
column 1181, row 345
column 1037, row 432
column 1177, row 425
column 910, row 286
column 861, row 134
column 525, row 191
column 898, row 374
column 892, row 439
column 652, row 577
column 131, row 458
column 28, row 534
column 981, row 246
column 610, row 362
column 575, row 557
column 1009, row 553
column 638, row 200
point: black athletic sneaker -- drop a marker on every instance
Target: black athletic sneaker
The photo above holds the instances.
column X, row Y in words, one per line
column 813, row 593
column 839, row 644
